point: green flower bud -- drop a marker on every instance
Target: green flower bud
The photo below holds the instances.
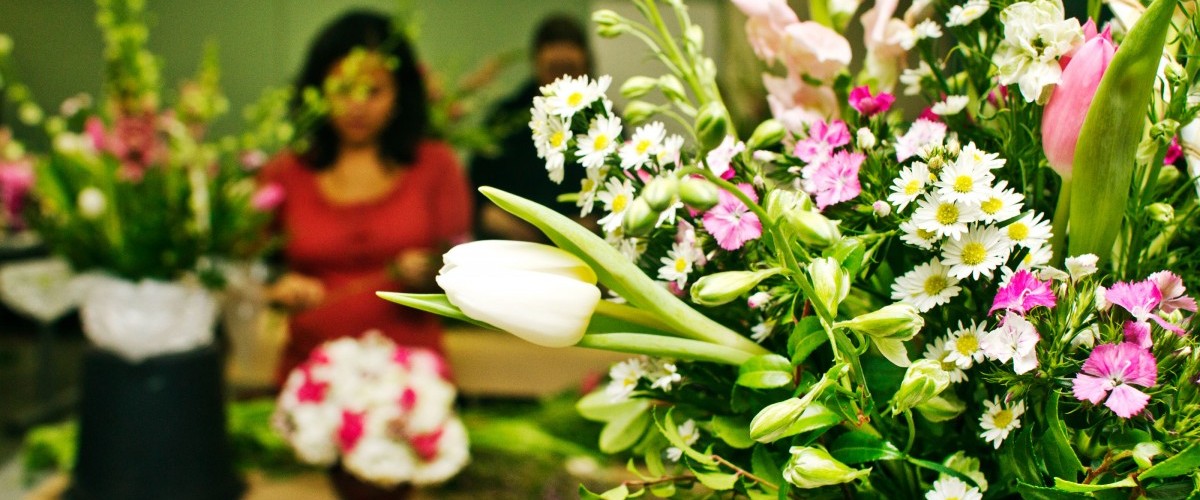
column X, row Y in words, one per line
column 942, row 408
column 638, row 86
column 672, row 88
column 722, row 288
column 830, row 282
column 767, row 134
column 608, row 23
column 639, row 218
column 639, row 111
column 30, row 113
column 6, row 45
column 922, row 381
column 698, row 193
column 814, row 229
column 661, row 192
column 694, row 36
column 813, row 467
column 1161, row 212
column 894, row 321
column 1168, row 176
column 780, row 202
column 55, row 125
column 1144, row 453
column 712, row 125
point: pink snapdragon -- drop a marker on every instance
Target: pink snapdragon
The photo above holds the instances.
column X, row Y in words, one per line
column 837, row 179
column 731, row 222
column 813, row 49
column 1174, row 151
column 796, row 103
column 1063, row 117
column 766, row 24
column 1111, row 371
column 870, row 105
column 1023, row 293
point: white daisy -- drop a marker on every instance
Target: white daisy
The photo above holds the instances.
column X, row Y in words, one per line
column 1036, row 258
column 909, row 185
column 912, row 78
column 998, row 420
column 926, row 286
column 918, row 237
column 617, row 197
column 979, row 158
column 908, row 38
column 966, row 183
column 1030, row 231
column 1082, row 265
column 1000, row 204
column 951, row 105
column 567, row 95
column 962, row 15
column 624, row 378
column 953, row 488
column 689, row 433
column 668, row 152
column 588, row 187
column 761, row 331
column 630, row 248
column 937, row 351
column 600, row 141
column 677, row 264
column 944, row 217
column 979, row 252
column 963, row 345
column 645, row 144
column 555, row 162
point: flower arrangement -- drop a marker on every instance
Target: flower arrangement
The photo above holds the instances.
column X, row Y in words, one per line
column 385, row 412
column 985, row 300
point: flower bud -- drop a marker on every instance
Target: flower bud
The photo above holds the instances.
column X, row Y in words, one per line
column 91, row 202
column 1168, row 176
column 637, row 86
column 30, row 113
column 1161, row 212
column 922, row 381
column 813, row 467
column 881, row 208
column 865, row 138
column 639, row 218
column 814, row 229
column 639, row 111
column 897, row 321
column 712, row 125
column 724, row 287
column 56, row 125
column 694, row 37
column 672, row 88
column 1144, row 453
column 969, row 466
column 942, row 408
column 1063, row 116
column 6, row 45
column 830, row 282
column 661, row 192
column 767, row 134
column 698, row 193
column 608, row 23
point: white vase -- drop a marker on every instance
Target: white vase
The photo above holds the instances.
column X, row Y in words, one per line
column 147, row 318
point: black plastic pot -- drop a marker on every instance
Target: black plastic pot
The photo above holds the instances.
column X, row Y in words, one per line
column 153, row 429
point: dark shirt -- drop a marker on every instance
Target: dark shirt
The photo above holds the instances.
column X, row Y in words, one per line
column 515, row 167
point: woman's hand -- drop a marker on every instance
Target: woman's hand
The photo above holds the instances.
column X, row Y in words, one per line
column 415, row 270
column 296, row 292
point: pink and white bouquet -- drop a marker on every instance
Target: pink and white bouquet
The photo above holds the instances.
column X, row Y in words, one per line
column 383, row 411
column 987, row 296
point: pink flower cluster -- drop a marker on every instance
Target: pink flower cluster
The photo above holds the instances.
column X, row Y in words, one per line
column 134, row 139
column 1143, row 300
column 384, row 411
column 830, row 176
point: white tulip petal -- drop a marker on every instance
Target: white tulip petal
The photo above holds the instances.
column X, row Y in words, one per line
column 518, row 255
column 543, row 308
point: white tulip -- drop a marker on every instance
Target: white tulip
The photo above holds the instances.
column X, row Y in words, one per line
column 518, row 255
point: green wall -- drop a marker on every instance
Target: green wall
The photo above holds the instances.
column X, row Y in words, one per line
column 58, row 48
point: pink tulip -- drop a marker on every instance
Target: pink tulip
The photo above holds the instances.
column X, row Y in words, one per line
column 1068, row 106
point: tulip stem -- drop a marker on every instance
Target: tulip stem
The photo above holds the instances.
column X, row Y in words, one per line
column 1058, row 228
column 666, row 347
column 632, row 315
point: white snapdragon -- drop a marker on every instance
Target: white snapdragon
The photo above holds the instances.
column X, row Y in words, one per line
column 1035, row 36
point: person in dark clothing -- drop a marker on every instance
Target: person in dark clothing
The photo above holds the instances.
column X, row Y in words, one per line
column 560, row 47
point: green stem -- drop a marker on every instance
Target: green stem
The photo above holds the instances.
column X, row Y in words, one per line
column 666, row 347
column 912, row 431
column 631, row 314
column 1058, row 228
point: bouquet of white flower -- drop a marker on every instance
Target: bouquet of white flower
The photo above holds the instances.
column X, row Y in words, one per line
column 985, row 300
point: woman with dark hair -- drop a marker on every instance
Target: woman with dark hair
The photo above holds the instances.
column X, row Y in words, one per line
column 371, row 203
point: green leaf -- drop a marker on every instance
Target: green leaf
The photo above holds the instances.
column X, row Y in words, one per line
column 1031, row 492
column 941, row 469
column 1074, row 487
column 598, row 406
column 1105, row 154
column 849, row 252
column 620, row 274
column 733, row 431
column 806, row 337
column 765, row 372
column 716, row 480
column 624, row 431
column 765, row 466
column 1061, row 460
column 1017, row 457
column 670, row 431
column 858, row 447
column 619, row 493
column 1185, row 462
column 435, row 303
column 663, row 490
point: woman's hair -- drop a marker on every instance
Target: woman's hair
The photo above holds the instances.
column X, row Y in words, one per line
column 410, row 114
column 562, row 28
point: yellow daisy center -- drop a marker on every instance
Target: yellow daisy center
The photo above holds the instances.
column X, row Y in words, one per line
column 680, row 264
column 913, row 187
column 1018, row 231
column 575, row 98
column 964, row 184
column 1002, row 419
column 935, row 284
column 619, row 202
column 967, row 344
column 556, row 139
column 991, row 206
column 600, row 142
column 973, row 253
column 642, row 146
column 947, row 213
column 925, row 235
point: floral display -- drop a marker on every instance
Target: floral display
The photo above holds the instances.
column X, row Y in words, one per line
column 383, row 412
column 961, row 271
